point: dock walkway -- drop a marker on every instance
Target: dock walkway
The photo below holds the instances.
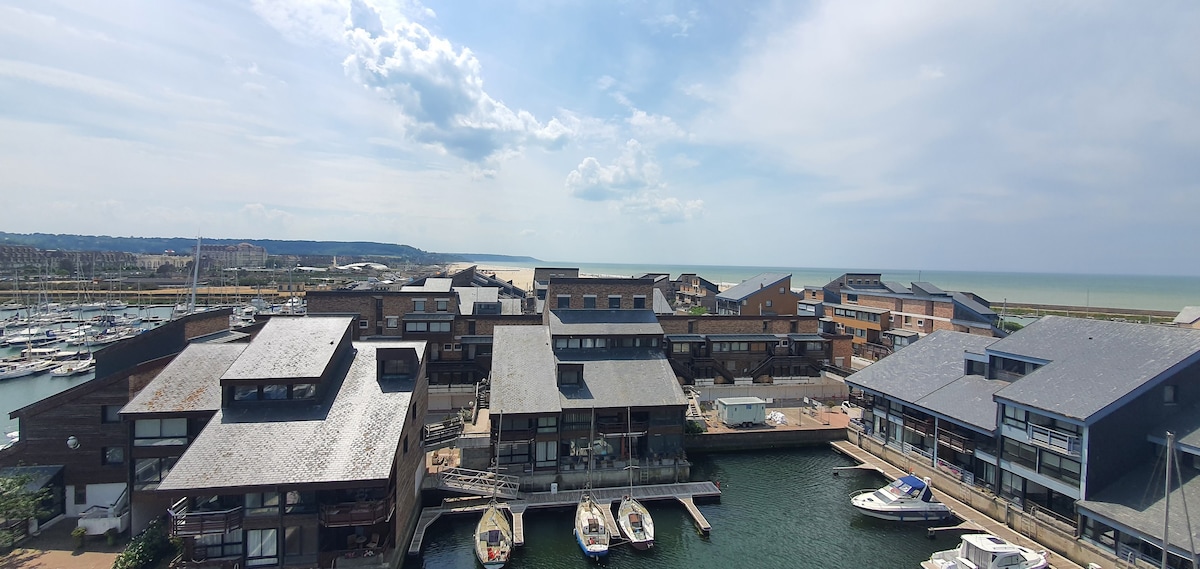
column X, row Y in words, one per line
column 685, row 493
column 972, row 518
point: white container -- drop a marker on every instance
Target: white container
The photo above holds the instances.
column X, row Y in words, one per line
column 742, row 411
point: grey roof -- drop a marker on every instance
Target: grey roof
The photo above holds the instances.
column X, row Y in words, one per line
column 743, row 337
column 432, row 285
column 469, row 295
column 742, row 401
column 1188, row 315
column 896, row 287
column 476, row 339
column 291, row 347
column 968, row 400
column 638, row 377
column 568, row 322
column 972, row 304
column 752, row 285
column 522, row 364
column 1093, row 364
column 39, row 476
column 511, row 306
column 525, row 375
column 1185, row 423
column 354, row 437
column 900, row 332
column 867, row 309
column 807, row 338
column 1135, row 504
column 427, row 316
column 191, row 382
column 927, row 288
column 922, row 368
column 685, row 337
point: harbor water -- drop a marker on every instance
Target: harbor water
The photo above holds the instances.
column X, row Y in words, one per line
column 782, row 508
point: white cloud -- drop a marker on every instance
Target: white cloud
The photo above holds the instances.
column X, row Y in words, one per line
column 655, row 209
column 650, row 126
column 439, row 90
column 634, row 170
column 676, row 24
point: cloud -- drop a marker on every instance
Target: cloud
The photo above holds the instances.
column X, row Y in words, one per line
column 439, row 90
column 646, row 125
column 634, row 170
column 678, row 25
column 655, row 209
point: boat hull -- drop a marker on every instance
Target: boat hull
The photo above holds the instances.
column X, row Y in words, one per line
column 905, row 515
column 494, row 538
column 642, row 536
column 595, row 551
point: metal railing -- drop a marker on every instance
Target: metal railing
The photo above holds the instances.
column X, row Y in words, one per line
column 1054, row 439
column 358, row 513
column 185, row 522
column 478, row 482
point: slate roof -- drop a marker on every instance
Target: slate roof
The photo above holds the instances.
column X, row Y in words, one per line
column 920, row 288
column 596, row 322
column 743, row 337
column 968, row 400
column 525, row 375
column 1188, row 315
column 660, row 304
column 685, row 337
column 896, row 287
column 972, row 304
column 752, row 285
column 291, row 347
column 469, row 295
column 1136, row 501
column 432, row 285
column 1093, row 364
column 921, row 368
column 191, row 382
column 353, row 437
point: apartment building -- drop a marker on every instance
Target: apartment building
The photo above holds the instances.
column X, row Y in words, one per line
column 763, row 294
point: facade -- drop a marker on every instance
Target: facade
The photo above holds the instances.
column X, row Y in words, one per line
column 233, row 256
column 923, row 308
column 300, row 449
column 763, row 295
column 1051, row 418
column 693, row 290
column 589, row 383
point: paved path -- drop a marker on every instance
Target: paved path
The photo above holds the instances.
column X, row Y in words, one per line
column 960, row 509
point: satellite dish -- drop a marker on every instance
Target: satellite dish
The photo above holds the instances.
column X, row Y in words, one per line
column 72, row 442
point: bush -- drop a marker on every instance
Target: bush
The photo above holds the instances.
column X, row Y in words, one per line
column 1010, row 326
column 146, row 548
column 110, row 536
column 79, row 534
column 698, row 311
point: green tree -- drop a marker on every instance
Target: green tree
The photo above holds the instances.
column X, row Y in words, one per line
column 1010, row 326
column 19, row 502
column 698, row 311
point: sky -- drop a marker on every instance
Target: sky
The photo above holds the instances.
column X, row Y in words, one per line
column 988, row 135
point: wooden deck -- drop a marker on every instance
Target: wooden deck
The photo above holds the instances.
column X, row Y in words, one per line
column 972, row 518
column 684, row 493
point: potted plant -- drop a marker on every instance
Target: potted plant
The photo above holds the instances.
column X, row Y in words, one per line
column 78, row 534
column 110, row 535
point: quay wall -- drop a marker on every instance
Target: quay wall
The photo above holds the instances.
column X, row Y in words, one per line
column 1047, row 531
column 762, row 440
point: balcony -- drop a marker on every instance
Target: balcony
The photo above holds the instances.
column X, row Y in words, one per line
column 956, row 442
column 1054, row 440
column 186, row 522
column 919, row 426
column 231, row 562
column 358, row 513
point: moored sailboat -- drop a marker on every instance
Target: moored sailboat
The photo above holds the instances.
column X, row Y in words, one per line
column 493, row 533
column 633, row 519
column 591, row 530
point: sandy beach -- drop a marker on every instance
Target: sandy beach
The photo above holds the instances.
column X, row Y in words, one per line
column 521, row 277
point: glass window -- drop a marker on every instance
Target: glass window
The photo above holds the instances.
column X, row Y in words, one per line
column 442, row 304
column 564, row 301
column 547, row 424
column 110, row 414
column 601, row 343
column 393, row 321
column 419, row 305
column 300, row 502
column 245, row 393
column 114, row 455
column 573, row 343
column 560, row 343
column 362, row 324
column 614, row 301
column 159, row 432
column 589, row 301
column 261, row 547
column 304, row 391
column 260, row 503
column 640, row 302
column 214, row 545
column 274, row 392
column 147, row 471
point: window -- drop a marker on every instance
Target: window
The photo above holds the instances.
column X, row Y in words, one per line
column 447, row 347
column 418, row 305
column 274, row 392
column 589, row 343
column 150, row 471
column 851, row 298
column 573, row 343
column 907, row 320
column 159, row 432
column 443, row 304
column 81, row 494
column 1169, row 395
column 262, row 503
column 299, row 540
column 300, row 502
column 513, row 453
column 614, row 301
column 245, row 393
column 639, row 301
column 113, row 455
column 1019, row 453
column 560, row 343
column 261, row 547
column 546, row 454
column 601, row 342
column 589, row 301
column 860, row 332
column 439, row 326
column 1015, row 417
column 1059, row 467
column 362, row 324
column 570, row 375
column 768, row 304
column 393, row 321
column 416, row 327
column 110, row 414
column 564, row 301
column 547, row 424
column 920, row 323
column 681, row 348
column 304, row 391
column 214, row 545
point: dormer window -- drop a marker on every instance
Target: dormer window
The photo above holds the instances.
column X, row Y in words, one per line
column 570, row 375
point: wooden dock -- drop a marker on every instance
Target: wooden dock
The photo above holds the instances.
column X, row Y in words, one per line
column 972, row 519
column 685, row 493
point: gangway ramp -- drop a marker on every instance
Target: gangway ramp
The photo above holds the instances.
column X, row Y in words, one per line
column 478, row 482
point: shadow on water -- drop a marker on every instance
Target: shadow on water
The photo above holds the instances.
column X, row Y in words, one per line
column 782, row 508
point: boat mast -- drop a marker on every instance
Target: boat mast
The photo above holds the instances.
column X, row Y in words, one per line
column 1167, row 500
column 191, row 307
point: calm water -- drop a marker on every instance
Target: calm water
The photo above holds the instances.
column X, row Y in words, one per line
column 778, row 509
column 1146, row 292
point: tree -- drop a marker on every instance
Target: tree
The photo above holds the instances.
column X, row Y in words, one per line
column 1010, row 326
column 698, row 311
column 18, row 502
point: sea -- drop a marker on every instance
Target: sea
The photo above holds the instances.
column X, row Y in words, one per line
column 1144, row 292
column 779, row 508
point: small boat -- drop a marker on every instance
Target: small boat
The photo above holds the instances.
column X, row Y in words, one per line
column 907, row 499
column 590, row 529
column 494, row 537
column 75, row 367
column 636, row 524
column 986, row 551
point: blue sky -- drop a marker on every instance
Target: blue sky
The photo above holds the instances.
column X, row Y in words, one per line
column 1060, row 137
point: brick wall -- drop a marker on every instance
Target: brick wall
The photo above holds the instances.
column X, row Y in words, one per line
column 739, row 324
column 601, row 289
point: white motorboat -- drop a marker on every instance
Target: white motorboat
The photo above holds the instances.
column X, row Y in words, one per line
column 591, row 531
column 986, row 551
column 494, row 537
column 907, row 499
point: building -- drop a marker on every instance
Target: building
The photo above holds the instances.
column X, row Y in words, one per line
column 302, row 448
column 693, row 290
column 764, row 294
column 233, row 256
column 923, row 308
column 588, row 383
column 1189, row 317
column 1064, row 418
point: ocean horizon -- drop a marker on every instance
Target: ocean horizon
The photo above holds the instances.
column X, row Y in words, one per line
column 1140, row 292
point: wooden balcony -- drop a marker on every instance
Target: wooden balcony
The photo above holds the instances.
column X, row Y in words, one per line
column 956, row 442
column 186, row 522
column 181, row 562
column 920, row 426
column 358, row 513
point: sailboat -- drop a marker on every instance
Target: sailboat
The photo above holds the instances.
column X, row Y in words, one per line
column 494, row 536
column 632, row 517
column 591, row 531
